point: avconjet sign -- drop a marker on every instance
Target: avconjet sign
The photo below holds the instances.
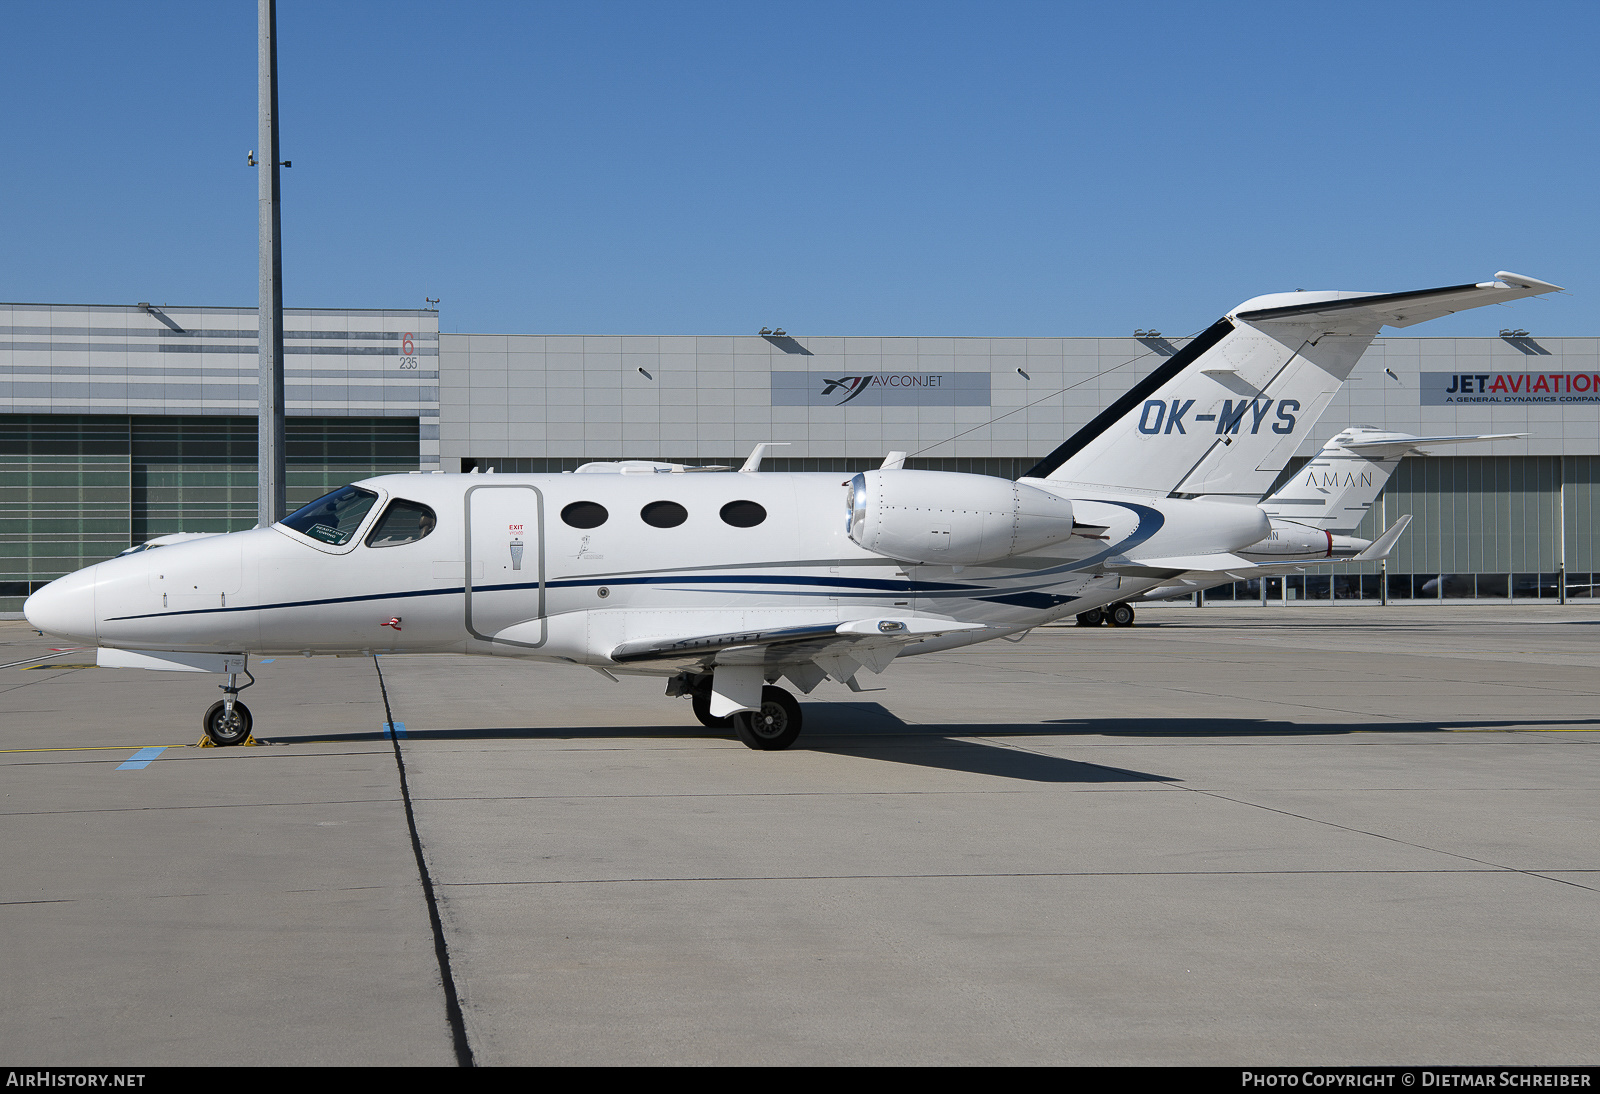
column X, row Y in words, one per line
column 1503, row 388
column 880, row 388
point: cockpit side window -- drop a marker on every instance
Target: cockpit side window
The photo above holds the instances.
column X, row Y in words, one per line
column 403, row 522
column 332, row 518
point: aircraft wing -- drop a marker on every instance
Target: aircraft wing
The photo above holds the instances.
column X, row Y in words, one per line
column 1220, row 563
column 804, row 653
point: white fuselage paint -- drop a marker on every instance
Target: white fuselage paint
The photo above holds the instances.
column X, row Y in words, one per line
column 502, row 574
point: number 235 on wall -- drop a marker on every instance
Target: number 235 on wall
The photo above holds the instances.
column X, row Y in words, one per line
column 408, row 351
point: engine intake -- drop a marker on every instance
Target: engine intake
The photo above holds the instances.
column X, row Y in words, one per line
column 959, row 520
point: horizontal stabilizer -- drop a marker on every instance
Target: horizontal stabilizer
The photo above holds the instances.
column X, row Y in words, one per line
column 1378, row 447
column 1395, row 309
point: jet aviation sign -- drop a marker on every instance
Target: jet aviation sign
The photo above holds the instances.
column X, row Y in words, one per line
column 880, row 388
column 1492, row 388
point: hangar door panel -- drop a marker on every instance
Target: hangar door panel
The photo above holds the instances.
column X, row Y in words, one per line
column 504, row 576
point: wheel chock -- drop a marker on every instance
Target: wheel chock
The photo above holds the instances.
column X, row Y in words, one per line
column 207, row 742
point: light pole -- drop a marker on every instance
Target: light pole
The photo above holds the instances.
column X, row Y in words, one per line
column 271, row 499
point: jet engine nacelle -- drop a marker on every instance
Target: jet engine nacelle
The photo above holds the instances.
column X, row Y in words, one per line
column 942, row 518
column 1289, row 540
column 1295, row 540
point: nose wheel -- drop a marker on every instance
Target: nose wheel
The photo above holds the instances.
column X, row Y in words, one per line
column 228, row 721
column 227, row 727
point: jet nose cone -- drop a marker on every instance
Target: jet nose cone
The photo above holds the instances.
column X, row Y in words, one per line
column 65, row 607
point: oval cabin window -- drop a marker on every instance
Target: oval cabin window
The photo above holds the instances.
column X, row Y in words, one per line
column 584, row 514
column 663, row 514
column 743, row 514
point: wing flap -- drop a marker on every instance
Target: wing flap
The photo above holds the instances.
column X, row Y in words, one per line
column 789, row 644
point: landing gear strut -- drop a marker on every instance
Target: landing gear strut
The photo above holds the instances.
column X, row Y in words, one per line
column 227, row 721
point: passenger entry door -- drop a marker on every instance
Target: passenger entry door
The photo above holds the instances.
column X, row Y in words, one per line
column 504, row 577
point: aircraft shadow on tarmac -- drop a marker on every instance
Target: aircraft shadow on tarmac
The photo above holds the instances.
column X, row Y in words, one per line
column 870, row 731
column 865, row 730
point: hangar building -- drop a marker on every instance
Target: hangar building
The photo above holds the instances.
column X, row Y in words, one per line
column 119, row 423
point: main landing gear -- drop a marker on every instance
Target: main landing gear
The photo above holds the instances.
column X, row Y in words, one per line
column 227, row 721
column 1118, row 615
column 773, row 727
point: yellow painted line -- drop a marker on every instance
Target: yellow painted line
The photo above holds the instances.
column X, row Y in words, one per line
column 87, row 748
column 1592, row 729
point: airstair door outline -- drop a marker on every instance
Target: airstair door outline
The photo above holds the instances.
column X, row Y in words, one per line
column 503, row 534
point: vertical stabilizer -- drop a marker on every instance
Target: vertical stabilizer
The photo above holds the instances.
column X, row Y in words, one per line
column 1225, row 414
column 1337, row 488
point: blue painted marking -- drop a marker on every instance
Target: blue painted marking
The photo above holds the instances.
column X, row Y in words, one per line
column 396, row 729
column 266, row 661
column 141, row 759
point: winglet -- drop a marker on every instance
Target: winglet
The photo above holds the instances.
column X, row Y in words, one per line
column 753, row 463
column 1385, row 543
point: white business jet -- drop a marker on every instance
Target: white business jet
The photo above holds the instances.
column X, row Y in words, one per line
column 725, row 582
column 1314, row 515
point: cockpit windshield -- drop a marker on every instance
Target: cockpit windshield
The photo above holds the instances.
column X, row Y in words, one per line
column 332, row 518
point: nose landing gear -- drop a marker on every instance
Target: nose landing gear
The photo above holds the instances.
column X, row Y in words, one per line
column 228, row 721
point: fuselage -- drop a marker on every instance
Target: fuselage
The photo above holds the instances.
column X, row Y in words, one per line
column 569, row 566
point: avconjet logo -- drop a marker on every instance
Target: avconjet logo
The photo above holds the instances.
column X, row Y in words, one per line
column 855, row 385
column 880, row 388
column 852, row 385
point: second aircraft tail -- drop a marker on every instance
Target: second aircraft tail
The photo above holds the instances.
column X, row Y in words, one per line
column 1336, row 489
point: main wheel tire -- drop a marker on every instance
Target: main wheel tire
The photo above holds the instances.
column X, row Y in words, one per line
column 775, row 726
column 1092, row 618
column 225, row 729
column 701, row 701
column 1122, row 615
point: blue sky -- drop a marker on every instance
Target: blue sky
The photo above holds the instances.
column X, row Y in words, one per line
column 831, row 168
